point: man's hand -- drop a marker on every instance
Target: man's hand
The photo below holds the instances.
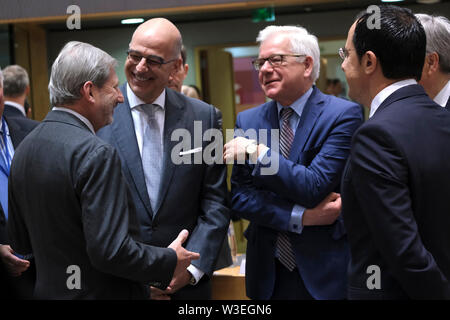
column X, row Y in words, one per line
column 158, row 294
column 236, row 150
column 178, row 282
column 13, row 264
column 184, row 257
column 325, row 213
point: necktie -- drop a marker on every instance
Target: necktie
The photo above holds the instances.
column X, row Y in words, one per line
column 5, row 165
column 152, row 152
column 283, row 245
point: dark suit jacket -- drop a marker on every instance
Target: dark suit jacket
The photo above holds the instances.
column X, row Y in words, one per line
column 70, row 205
column 313, row 170
column 192, row 196
column 20, row 287
column 18, row 129
column 395, row 200
column 448, row 104
column 11, row 111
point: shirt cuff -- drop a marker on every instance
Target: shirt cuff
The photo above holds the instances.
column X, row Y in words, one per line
column 196, row 273
column 295, row 223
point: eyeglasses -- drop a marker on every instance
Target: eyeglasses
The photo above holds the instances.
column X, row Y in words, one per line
column 151, row 61
column 343, row 52
column 275, row 60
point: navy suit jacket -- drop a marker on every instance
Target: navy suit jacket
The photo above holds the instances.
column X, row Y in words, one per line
column 192, row 196
column 11, row 111
column 317, row 158
column 18, row 129
column 395, row 200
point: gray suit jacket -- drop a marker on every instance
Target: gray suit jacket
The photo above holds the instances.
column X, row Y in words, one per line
column 70, row 206
column 192, row 196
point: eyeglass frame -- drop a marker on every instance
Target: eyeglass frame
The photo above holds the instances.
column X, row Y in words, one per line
column 156, row 60
column 259, row 66
column 344, row 52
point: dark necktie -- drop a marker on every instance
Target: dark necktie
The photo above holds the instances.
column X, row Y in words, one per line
column 283, row 246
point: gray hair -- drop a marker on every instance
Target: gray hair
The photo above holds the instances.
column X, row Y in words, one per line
column 76, row 64
column 302, row 42
column 15, row 81
column 437, row 30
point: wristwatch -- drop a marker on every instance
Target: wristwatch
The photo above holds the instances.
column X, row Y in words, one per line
column 251, row 148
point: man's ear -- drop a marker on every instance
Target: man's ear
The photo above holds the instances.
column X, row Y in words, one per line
column 432, row 61
column 309, row 63
column 86, row 91
column 369, row 62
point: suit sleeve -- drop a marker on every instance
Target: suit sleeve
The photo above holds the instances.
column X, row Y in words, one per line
column 213, row 221
column 105, row 217
column 308, row 185
column 380, row 181
column 256, row 204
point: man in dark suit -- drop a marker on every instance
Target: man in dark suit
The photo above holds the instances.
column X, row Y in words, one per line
column 69, row 202
column 169, row 196
column 12, row 132
column 395, row 185
column 16, row 87
column 295, row 250
column 436, row 70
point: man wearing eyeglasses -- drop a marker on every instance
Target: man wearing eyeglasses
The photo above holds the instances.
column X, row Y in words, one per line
column 297, row 247
column 169, row 197
column 396, row 183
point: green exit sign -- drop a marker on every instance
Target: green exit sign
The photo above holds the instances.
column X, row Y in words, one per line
column 263, row 14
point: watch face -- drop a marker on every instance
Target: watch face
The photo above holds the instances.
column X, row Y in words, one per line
column 251, row 148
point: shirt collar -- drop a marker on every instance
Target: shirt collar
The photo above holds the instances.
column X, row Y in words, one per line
column 443, row 95
column 298, row 104
column 386, row 92
column 76, row 114
column 17, row 106
column 135, row 101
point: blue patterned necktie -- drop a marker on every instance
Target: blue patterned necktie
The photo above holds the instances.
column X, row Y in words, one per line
column 283, row 245
column 5, row 165
column 152, row 153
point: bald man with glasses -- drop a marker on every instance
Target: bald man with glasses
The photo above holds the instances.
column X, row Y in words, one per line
column 169, row 197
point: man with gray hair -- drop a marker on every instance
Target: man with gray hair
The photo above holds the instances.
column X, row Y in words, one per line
column 297, row 246
column 16, row 87
column 436, row 70
column 69, row 202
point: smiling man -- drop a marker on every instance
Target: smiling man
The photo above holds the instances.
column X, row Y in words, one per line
column 168, row 197
column 293, row 252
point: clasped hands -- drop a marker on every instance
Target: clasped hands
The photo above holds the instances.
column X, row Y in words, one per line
column 181, row 275
column 325, row 213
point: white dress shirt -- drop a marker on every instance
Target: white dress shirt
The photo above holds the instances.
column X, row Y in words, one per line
column 386, row 92
column 443, row 95
column 76, row 114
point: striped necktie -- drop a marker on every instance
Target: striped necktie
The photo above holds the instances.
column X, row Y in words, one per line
column 283, row 245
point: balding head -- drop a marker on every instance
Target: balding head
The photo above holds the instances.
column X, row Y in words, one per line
column 159, row 42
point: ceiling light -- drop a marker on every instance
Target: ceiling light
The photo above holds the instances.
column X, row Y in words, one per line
column 132, row 21
column 392, row 0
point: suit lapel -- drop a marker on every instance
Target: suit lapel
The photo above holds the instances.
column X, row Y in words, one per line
column 174, row 110
column 448, row 104
column 311, row 111
column 125, row 137
column 271, row 123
